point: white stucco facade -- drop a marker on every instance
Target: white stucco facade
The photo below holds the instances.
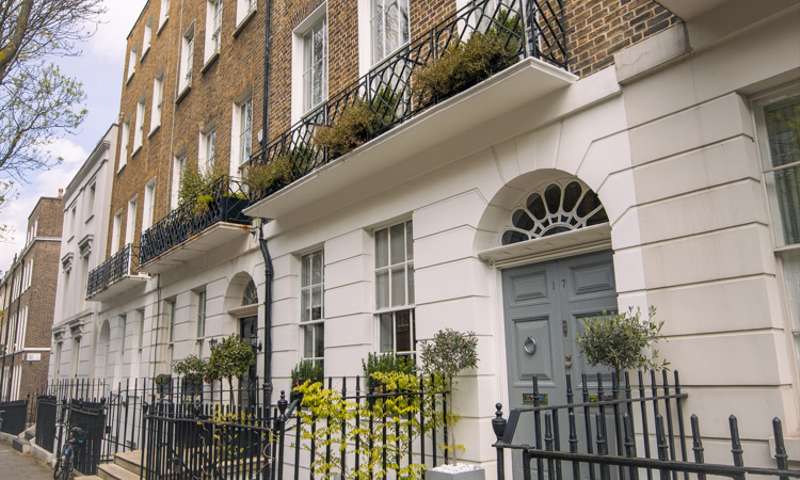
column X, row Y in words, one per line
column 86, row 215
column 670, row 145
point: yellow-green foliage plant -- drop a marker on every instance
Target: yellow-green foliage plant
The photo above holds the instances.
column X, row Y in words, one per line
column 197, row 187
column 276, row 173
column 465, row 64
column 394, row 417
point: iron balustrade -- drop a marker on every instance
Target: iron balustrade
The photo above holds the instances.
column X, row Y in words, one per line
column 620, row 430
column 527, row 28
column 224, row 202
column 115, row 268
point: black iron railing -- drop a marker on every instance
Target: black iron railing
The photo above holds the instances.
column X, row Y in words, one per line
column 224, row 202
column 527, row 28
column 625, row 430
column 120, row 265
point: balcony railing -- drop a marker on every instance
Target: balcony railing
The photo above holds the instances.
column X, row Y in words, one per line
column 120, row 265
column 528, row 29
column 223, row 203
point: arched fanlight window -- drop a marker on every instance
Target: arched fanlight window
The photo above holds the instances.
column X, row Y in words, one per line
column 250, row 296
column 556, row 208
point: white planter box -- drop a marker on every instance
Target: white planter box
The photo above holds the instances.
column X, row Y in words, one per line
column 456, row 472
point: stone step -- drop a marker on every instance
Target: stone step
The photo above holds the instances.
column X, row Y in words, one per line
column 21, row 445
column 130, row 461
column 88, row 477
column 112, row 471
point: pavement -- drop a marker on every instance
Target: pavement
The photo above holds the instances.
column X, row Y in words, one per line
column 15, row 466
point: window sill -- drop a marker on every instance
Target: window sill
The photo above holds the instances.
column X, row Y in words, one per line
column 144, row 54
column 154, row 130
column 91, row 217
column 794, row 247
column 210, row 62
column 71, row 238
column 130, row 77
column 183, row 93
column 241, row 25
column 136, row 150
column 121, row 169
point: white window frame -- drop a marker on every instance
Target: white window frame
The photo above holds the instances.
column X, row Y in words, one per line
column 187, row 61
column 241, row 135
column 302, row 64
column 386, row 50
column 178, row 167
column 130, row 222
column 76, row 357
column 310, row 325
column 116, row 227
column 213, row 40
column 90, row 200
column 158, row 103
column 391, row 310
column 207, row 150
column 138, row 133
column 124, row 320
column 140, row 335
column 163, row 14
column 244, row 8
column 133, row 59
column 125, row 133
column 147, row 39
column 171, row 309
column 148, row 214
column 202, row 312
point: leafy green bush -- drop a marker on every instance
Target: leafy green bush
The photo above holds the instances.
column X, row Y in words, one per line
column 306, row 371
column 356, row 125
column 261, row 177
column 230, row 359
column 191, row 368
column 465, row 64
column 197, row 187
column 622, row 341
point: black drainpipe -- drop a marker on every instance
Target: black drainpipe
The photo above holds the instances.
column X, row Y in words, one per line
column 268, row 272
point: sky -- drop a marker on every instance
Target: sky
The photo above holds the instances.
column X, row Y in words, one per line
column 99, row 68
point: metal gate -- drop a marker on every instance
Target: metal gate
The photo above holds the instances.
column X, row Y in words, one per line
column 91, row 417
column 13, row 416
column 46, row 415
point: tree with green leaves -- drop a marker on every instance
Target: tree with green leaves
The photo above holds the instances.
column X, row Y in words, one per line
column 230, row 359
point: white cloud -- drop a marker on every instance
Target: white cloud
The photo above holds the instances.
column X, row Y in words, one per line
column 109, row 41
column 41, row 184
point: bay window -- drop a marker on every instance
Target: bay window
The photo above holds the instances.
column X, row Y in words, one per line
column 394, row 288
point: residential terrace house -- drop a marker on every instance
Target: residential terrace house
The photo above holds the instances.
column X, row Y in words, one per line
column 632, row 153
column 28, row 293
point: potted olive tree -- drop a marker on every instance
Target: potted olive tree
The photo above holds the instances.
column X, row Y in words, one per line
column 230, row 359
column 449, row 353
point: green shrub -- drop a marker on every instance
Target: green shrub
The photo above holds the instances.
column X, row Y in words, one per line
column 465, row 64
column 622, row 341
column 277, row 173
column 197, row 187
column 306, row 371
column 355, row 125
column 230, row 359
column 192, row 368
column 385, row 363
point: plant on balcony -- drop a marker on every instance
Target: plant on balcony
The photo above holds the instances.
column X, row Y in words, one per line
column 445, row 356
column 197, row 188
column 306, row 371
column 358, row 123
column 193, row 370
column 622, row 341
column 465, row 64
column 269, row 176
column 230, row 359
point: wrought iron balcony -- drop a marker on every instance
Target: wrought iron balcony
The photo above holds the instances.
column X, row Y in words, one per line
column 211, row 219
column 529, row 29
column 117, row 273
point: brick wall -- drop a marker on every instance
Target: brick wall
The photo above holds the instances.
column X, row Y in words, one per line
column 598, row 28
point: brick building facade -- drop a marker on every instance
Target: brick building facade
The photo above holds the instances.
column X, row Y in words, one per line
column 28, row 294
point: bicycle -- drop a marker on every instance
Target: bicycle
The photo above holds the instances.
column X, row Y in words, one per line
column 66, row 462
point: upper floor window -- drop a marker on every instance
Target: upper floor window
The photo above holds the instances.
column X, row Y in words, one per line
column 187, row 58
column 315, row 60
column 73, row 220
column 201, row 312
column 28, row 275
column 148, row 212
column 138, row 133
column 132, row 59
column 781, row 123
column 170, row 311
column 178, row 166
column 90, row 199
column 158, row 102
column 243, row 10
column 394, row 288
column 390, row 27
column 124, row 136
column 163, row 14
column 32, row 230
column 241, row 135
column 147, row 39
column 116, row 230
column 130, row 225
column 207, row 151
column 213, row 28
column 312, row 317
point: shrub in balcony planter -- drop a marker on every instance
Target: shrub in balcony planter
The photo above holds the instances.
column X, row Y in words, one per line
column 622, row 341
column 307, row 371
column 230, row 359
column 465, row 64
column 356, row 124
column 272, row 175
column 197, row 187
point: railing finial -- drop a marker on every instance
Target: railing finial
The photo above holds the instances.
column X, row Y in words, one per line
column 498, row 422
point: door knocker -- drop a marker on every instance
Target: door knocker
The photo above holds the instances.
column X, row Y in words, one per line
column 529, row 345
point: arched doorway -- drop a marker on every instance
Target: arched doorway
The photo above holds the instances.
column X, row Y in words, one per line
column 551, row 242
column 242, row 304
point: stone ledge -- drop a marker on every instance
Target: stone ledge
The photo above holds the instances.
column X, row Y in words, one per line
column 651, row 54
